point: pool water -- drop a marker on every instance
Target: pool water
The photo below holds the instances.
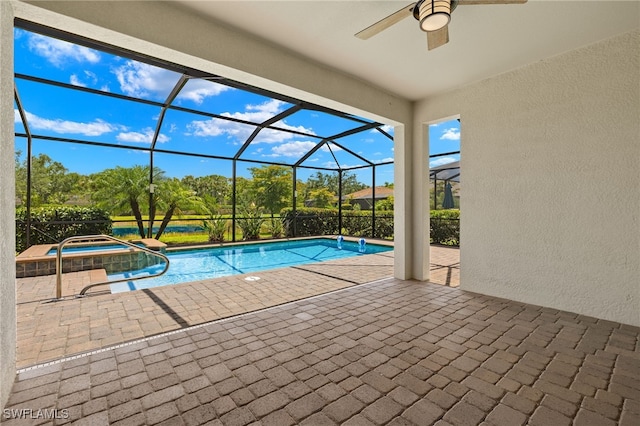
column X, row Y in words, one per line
column 202, row 264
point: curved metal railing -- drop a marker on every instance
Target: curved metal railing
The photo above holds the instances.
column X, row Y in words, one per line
column 89, row 238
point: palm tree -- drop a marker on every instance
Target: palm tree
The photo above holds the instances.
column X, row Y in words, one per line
column 173, row 196
column 124, row 189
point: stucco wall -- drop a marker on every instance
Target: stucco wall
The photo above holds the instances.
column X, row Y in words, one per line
column 550, row 161
column 7, row 199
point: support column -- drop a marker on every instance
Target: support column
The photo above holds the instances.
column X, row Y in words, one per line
column 421, row 202
column 233, row 203
column 340, row 201
column 403, row 213
column 7, row 207
column 294, row 197
column 373, row 201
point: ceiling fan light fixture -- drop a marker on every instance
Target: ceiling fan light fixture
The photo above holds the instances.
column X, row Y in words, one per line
column 434, row 14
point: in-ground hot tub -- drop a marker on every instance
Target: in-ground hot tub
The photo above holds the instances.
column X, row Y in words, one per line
column 40, row 259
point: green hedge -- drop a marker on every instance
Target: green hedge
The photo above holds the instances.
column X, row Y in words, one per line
column 310, row 221
column 445, row 224
column 50, row 225
column 315, row 221
column 445, row 227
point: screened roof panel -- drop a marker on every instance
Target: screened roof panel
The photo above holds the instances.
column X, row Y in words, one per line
column 320, row 123
column 198, row 134
column 55, row 109
column 321, row 158
column 215, row 98
column 371, row 144
column 70, row 63
column 278, row 147
column 446, row 171
column 60, row 112
column 341, row 159
column 183, row 165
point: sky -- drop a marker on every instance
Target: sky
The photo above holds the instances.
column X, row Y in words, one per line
column 63, row 113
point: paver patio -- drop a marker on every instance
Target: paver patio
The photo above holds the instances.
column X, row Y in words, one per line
column 49, row 331
column 389, row 352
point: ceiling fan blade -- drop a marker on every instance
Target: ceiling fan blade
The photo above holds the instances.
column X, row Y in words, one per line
column 438, row 38
column 385, row 23
column 474, row 2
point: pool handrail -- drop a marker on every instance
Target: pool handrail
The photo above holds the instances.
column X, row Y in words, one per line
column 102, row 237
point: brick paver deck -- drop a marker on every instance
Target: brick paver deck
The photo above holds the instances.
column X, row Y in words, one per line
column 389, row 352
column 48, row 331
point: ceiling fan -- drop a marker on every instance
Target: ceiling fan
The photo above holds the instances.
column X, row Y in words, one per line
column 433, row 16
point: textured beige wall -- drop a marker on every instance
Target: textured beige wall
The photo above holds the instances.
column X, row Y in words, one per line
column 550, row 180
column 7, row 200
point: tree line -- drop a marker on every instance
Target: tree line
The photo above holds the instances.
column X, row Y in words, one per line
column 126, row 190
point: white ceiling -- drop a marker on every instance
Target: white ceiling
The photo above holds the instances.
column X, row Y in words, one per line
column 484, row 40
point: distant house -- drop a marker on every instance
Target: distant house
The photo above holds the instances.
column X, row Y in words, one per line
column 364, row 197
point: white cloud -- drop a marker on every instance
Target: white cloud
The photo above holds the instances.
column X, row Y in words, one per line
column 451, row 134
column 387, row 128
column 58, row 52
column 95, row 128
column 240, row 132
column 87, row 76
column 143, row 80
column 137, row 137
column 16, row 116
column 292, row 149
column 198, row 90
column 440, row 161
column 384, row 160
column 76, row 81
column 325, row 148
column 271, row 107
column 334, row 165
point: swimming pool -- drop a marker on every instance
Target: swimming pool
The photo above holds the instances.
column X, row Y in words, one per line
column 202, row 264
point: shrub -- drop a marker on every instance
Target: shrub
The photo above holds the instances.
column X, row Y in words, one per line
column 445, row 227
column 52, row 224
column 384, row 225
column 445, row 224
column 250, row 221
column 275, row 227
column 216, row 227
column 310, row 221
